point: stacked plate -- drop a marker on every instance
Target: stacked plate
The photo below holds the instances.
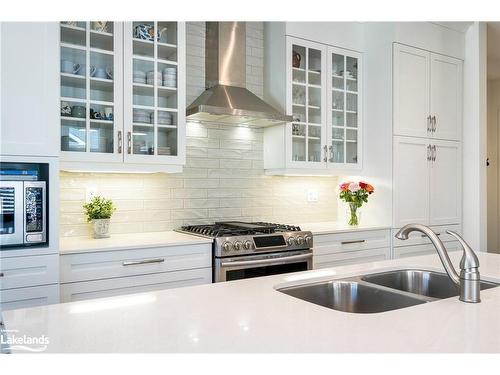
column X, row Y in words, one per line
column 164, row 118
column 150, row 78
column 141, row 116
column 170, row 77
column 164, row 150
column 139, row 76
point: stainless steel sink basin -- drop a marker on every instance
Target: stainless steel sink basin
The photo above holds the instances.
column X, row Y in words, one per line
column 379, row 292
column 425, row 283
column 352, row 296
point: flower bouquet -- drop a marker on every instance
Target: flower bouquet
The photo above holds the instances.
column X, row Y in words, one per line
column 355, row 194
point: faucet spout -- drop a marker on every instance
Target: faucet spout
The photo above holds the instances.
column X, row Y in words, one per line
column 469, row 279
column 438, row 244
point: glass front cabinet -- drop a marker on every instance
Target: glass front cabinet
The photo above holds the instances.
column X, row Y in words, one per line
column 122, row 95
column 323, row 95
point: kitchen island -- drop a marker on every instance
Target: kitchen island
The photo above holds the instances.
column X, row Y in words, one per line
column 252, row 316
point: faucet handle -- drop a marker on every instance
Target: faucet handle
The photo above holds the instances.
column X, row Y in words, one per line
column 469, row 259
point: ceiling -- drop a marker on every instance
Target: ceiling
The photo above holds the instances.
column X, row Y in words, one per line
column 493, row 50
column 457, row 26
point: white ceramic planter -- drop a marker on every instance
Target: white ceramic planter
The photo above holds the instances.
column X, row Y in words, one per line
column 101, row 228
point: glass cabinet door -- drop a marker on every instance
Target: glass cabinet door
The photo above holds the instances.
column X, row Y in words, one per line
column 90, row 106
column 307, row 98
column 344, row 102
column 152, row 90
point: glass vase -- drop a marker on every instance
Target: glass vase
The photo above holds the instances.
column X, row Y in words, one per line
column 353, row 214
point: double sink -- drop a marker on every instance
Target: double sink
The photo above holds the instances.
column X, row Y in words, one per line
column 379, row 292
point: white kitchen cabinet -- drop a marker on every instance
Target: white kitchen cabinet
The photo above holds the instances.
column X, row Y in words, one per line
column 427, row 181
column 411, row 90
column 29, row 74
column 123, row 263
column 146, row 132
column 418, row 250
column 321, row 88
column 445, row 183
column 20, row 272
column 354, row 247
column 20, row 298
column 108, row 273
column 134, row 284
column 411, row 181
column 427, row 94
column 446, row 97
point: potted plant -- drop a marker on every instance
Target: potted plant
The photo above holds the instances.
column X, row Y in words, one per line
column 355, row 194
column 98, row 212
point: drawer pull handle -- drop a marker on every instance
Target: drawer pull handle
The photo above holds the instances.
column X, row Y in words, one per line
column 437, row 234
column 144, row 261
column 351, row 242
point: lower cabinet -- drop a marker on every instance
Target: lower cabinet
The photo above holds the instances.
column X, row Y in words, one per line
column 417, row 250
column 110, row 273
column 29, row 281
column 339, row 249
column 134, row 284
column 19, row 298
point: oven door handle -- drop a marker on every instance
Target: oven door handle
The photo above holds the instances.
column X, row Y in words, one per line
column 261, row 262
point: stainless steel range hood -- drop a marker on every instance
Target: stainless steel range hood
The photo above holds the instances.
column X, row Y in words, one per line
column 226, row 100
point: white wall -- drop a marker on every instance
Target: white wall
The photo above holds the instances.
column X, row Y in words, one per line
column 493, row 169
column 474, row 135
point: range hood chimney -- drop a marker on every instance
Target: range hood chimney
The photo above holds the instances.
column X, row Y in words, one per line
column 226, row 100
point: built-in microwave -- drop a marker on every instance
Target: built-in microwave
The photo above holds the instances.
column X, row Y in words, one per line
column 23, row 205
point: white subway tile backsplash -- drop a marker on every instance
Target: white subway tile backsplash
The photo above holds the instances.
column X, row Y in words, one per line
column 223, row 177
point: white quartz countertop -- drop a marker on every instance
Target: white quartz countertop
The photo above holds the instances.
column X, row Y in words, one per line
column 338, row 227
column 69, row 245
column 251, row 316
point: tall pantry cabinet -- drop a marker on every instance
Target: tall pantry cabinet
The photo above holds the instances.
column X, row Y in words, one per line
column 427, row 115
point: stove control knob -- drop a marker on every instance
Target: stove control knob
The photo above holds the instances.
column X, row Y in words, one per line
column 300, row 240
column 237, row 245
column 291, row 241
column 247, row 245
column 309, row 240
column 227, row 246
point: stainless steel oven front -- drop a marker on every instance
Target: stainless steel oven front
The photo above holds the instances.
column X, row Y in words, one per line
column 248, row 266
column 23, row 213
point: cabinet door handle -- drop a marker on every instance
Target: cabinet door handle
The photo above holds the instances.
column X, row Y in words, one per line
column 129, row 142
column 2, row 274
column 143, row 261
column 429, row 124
column 325, row 158
column 434, row 153
column 434, row 125
column 120, row 141
column 429, row 158
column 351, row 242
column 330, row 148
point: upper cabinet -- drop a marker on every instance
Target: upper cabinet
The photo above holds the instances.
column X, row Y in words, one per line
column 29, row 90
column 321, row 89
column 427, row 94
column 122, row 96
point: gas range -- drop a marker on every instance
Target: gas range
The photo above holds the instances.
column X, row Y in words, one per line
column 232, row 238
column 243, row 250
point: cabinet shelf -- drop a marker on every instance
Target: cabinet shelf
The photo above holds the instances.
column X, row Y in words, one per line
column 69, row 118
column 103, row 51
column 73, row 46
column 73, row 80
column 99, row 121
column 101, row 33
column 101, row 102
column 71, row 27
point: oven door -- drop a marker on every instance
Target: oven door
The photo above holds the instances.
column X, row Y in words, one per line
column 245, row 267
column 11, row 213
column 35, row 212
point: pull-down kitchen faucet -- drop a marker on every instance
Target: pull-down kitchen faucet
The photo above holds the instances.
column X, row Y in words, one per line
column 469, row 280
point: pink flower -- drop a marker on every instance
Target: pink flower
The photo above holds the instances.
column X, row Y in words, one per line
column 354, row 187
